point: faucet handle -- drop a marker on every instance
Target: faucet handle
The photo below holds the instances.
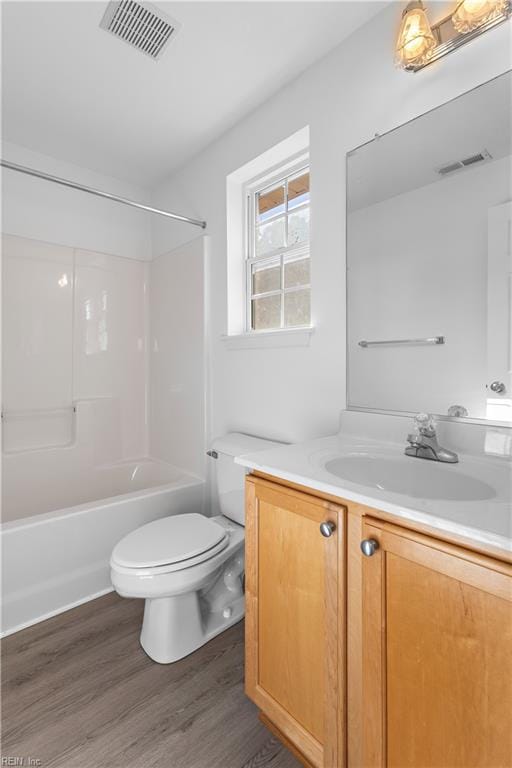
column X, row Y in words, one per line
column 425, row 424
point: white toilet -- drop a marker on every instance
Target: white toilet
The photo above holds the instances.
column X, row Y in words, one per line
column 189, row 568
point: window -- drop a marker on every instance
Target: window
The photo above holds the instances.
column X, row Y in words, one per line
column 278, row 258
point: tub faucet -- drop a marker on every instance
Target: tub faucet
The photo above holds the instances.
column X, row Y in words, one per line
column 423, row 441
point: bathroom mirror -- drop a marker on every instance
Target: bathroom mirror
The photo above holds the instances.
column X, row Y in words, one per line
column 429, row 262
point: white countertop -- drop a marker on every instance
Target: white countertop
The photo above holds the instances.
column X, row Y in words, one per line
column 487, row 522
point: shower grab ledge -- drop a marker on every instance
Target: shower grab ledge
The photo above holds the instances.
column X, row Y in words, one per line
column 37, row 412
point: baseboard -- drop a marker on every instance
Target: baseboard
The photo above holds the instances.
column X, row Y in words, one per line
column 55, row 612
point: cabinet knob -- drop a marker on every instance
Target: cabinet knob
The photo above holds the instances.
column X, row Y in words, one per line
column 369, row 547
column 498, row 387
column 327, row 528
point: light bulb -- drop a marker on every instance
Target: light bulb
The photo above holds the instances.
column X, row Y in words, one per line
column 471, row 14
column 416, row 42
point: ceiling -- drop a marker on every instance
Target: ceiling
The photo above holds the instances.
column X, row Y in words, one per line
column 409, row 157
column 73, row 91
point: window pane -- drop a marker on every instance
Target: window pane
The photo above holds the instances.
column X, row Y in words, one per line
column 270, row 203
column 296, row 273
column 266, row 277
column 298, row 190
column 269, row 237
column 297, row 309
column 298, row 227
column 266, row 312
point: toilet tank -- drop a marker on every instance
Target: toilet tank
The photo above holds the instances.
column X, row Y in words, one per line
column 230, row 476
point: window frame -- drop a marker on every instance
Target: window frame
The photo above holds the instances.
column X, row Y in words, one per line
column 280, row 256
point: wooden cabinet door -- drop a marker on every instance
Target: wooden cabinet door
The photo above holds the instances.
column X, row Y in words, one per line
column 437, row 654
column 292, row 617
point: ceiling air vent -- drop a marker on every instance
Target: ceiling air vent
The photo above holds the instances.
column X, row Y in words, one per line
column 467, row 161
column 450, row 168
column 474, row 159
column 139, row 24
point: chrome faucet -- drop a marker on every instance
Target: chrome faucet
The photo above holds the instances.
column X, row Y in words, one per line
column 423, row 441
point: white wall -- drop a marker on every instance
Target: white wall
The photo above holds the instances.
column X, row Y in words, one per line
column 296, row 393
column 286, row 393
column 418, row 268
column 177, row 371
column 44, row 211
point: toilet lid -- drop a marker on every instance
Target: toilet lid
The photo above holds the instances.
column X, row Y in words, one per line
column 169, row 540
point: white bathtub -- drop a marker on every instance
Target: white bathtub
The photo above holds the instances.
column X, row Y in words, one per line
column 55, row 560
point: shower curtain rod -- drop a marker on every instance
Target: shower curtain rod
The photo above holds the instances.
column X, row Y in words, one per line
column 99, row 193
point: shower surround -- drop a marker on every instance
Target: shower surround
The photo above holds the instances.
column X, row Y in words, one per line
column 74, row 329
column 92, row 358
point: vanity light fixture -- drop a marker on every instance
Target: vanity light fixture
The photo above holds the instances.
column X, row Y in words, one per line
column 415, row 39
column 420, row 43
column 471, row 14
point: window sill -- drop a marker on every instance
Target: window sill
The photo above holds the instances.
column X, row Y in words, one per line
column 290, row 337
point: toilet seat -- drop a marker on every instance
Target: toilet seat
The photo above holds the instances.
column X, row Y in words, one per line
column 169, row 544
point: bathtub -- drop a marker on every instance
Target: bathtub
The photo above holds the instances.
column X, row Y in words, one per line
column 55, row 554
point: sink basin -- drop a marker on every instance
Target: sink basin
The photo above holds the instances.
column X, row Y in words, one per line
column 418, row 478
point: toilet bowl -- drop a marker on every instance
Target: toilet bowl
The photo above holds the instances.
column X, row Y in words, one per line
column 189, row 568
column 195, row 595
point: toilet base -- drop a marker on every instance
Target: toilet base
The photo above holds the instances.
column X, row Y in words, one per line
column 174, row 627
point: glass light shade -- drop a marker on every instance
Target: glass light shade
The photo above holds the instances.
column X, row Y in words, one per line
column 416, row 42
column 471, row 14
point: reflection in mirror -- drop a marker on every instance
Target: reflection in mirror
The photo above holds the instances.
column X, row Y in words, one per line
column 429, row 254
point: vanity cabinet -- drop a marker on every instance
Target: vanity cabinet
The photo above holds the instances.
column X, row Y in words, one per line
column 437, row 653
column 377, row 644
column 293, row 616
